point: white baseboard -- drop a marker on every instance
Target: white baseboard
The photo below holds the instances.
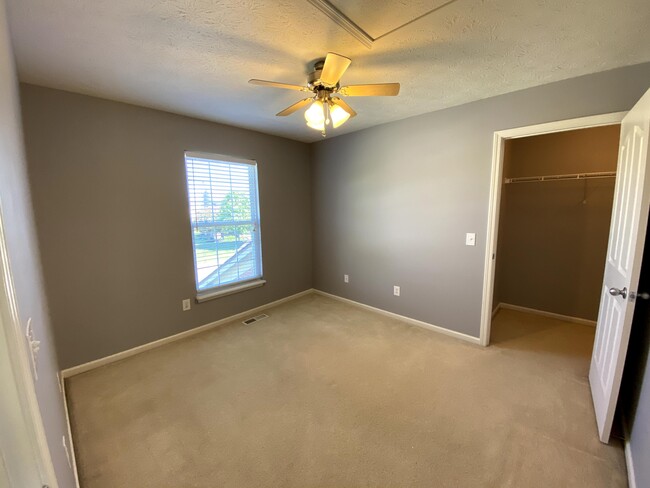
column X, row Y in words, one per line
column 71, row 451
column 629, row 460
column 408, row 320
column 566, row 318
column 496, row 310
column 82, row 368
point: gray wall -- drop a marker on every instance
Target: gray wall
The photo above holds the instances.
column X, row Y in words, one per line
column 634, row 404
column 23, row 256
column 112, row 217
column 553, row 234
column 637, row 407
column 640, row 422
column 392, row 203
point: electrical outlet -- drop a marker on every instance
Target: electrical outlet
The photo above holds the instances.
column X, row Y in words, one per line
column 346, row 279
column 396, row 291
column 186, row 305
column 470, row 239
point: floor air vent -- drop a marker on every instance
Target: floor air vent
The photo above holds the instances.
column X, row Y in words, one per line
column 252, row 320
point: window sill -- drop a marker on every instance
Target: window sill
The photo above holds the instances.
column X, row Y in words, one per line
column 211, row 295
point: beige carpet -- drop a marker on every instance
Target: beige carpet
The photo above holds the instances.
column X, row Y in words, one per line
column 324, row 394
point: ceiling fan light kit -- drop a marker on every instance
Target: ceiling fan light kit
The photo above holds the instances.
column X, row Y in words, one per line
column 338, row 114
column 315, row 115
column 320, row 114
column 324, row 109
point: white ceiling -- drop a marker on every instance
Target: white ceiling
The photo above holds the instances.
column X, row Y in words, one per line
column 195, row 57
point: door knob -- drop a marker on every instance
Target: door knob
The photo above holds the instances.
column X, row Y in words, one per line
column 616, row 292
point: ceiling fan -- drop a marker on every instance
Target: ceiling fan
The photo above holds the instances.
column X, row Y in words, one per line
column 324, row 82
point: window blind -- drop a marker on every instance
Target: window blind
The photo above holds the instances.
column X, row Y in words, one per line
column 224, row 213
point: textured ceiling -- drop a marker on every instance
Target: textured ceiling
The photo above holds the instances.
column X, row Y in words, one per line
column 195, row 57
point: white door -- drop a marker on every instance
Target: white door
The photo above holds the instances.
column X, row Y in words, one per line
column 623, row 264
column 19, row 467
column 21, row 461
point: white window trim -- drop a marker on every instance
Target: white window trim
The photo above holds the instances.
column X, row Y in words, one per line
column 228, row 290
column 219, row 157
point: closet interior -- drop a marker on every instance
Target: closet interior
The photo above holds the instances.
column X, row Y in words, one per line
column 555, row 211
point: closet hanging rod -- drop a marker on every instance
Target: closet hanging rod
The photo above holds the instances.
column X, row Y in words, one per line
column 574, row 176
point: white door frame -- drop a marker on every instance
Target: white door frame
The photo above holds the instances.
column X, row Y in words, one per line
column 10, row 327
column 496, row 184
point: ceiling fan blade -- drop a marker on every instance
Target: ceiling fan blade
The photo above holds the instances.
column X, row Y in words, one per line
column 275, row 84
column 296, row 106
column 377, row 90
column 344, row 106
column 334, row 67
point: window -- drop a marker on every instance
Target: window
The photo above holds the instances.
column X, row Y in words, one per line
column 224, row 212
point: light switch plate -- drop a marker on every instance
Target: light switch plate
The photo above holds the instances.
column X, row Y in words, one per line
column 470, row 239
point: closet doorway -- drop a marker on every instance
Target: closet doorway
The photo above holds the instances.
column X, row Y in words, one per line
column 550, row 211
column 554, row 220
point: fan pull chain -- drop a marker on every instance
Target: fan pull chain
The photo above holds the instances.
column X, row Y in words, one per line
column 326, row 111
column 326, row 116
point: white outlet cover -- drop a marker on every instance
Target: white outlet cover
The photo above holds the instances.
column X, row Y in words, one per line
column 186, row 305
column 346, row 278
column 470, row 239
column 396, row 291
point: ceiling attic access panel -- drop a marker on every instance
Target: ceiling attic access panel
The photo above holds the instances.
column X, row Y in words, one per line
column 379, row 17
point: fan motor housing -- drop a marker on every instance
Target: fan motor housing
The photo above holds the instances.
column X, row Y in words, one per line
column 313, row 80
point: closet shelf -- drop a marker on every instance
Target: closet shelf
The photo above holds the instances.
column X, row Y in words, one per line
column 574, row 176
